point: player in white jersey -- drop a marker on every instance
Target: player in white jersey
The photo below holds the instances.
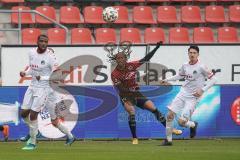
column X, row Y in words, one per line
column 42, row 63
column 194, row 73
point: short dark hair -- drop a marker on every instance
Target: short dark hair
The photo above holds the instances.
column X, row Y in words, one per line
column 42, row 35
column 194, row 47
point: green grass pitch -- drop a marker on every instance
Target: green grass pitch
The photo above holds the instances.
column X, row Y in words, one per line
column 221, row 149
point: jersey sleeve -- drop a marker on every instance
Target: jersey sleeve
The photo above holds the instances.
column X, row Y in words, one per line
column 135, row 64
column 116, row 81
column 206, row 72
column 181, row 71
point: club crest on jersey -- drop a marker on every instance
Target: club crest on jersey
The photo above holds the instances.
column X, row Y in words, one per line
column 130, row 67
column 42, row 62
column 195, row 72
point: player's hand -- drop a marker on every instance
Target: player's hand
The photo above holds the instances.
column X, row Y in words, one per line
column 38, row 77
column 198, row 93
column 22, row 74
column 159, row 44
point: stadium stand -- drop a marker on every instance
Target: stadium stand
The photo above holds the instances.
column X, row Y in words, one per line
column 154, row 20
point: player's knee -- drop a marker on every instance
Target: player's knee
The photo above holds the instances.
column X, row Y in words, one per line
column 54, row 122
column 170, row 116
column 24, row 113
column 131, row 120
column 181, row 122
column 33, row 115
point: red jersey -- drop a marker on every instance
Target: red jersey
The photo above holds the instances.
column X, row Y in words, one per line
column 126, row 77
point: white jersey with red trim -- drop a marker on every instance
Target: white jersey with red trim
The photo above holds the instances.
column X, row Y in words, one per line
column 41, row 65
column 195, row 76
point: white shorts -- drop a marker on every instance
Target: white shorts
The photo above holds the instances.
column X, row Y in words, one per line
column 36, row 98
column 58, row 105
column 183, row 107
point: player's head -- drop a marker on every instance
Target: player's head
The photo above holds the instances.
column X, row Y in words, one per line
column 122, row 55
column 121, row 58
column 193, row 53
column 42, row 42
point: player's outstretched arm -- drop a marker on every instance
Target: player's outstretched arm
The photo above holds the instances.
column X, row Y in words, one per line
column 150, row 54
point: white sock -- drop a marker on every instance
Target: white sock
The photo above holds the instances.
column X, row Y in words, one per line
column 33, row 131
column 26, row 120
column 190, row 124
column 169, row 129
column 64, row 130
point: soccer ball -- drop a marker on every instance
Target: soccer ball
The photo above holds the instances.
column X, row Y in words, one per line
column 110, row 14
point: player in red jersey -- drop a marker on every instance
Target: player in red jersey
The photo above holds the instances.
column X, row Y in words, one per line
column 124, row 80
column 5, row 130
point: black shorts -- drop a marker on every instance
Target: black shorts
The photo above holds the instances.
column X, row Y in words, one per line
column 136, row 98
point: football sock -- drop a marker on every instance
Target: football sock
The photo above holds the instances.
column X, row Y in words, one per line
column 190, row 124
column 33, row 130
column 169, row 130
column 27, row 119
column 132, row 125
column 160, row 117
column 64, row 130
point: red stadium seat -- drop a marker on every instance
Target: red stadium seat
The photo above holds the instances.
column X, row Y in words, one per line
column 207, row 0
column 133, row 0
column 47, row 11
column 154, row 35
column 70, row 15
column 30, row 35
column 130, row 34
column 181, row 0
column 234, row 13
column 143, row 15
column 214, row 14
column 105, row 35
column 191, row 14
column 56, row 36
column 158, row 0
column 26, row 18
column 122, row 15
column 178, row 35
column 93, row 15
column 167, row 14
column 203, row 35
column 229, row 0
column 12, row 1
column 81, row 36
column 227, row 35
